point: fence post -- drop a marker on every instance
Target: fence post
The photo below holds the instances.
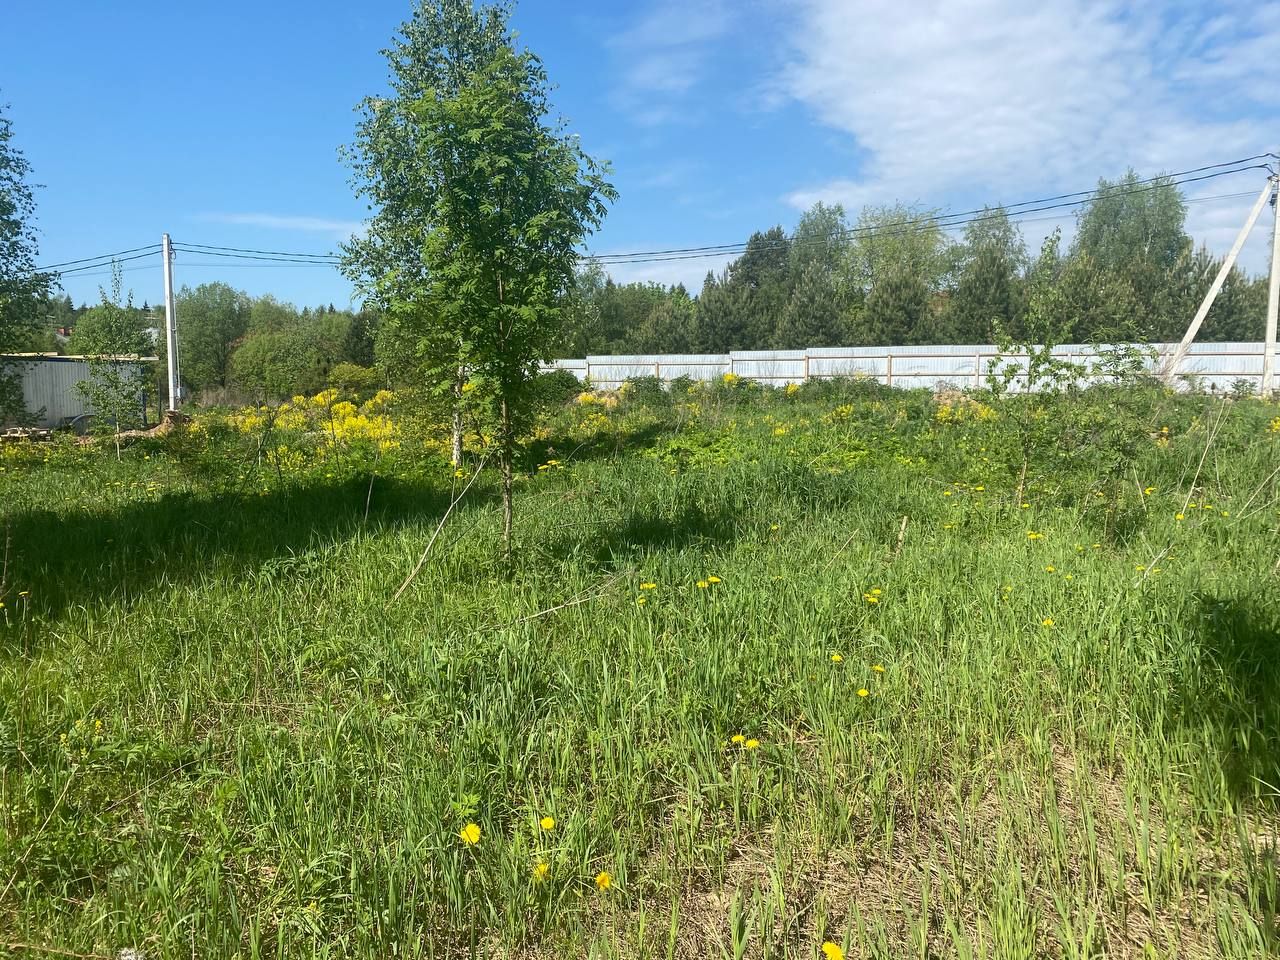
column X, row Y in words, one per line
column 657, row 370
column 587, row 376
column 806, row 367
column 977, row 370
column 888, row 370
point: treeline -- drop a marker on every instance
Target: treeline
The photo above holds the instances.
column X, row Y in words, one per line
column 896, row 276
column 231, row 346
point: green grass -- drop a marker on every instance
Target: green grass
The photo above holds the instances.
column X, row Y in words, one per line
column 264, row 757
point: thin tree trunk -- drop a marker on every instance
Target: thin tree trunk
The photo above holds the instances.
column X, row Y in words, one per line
column 457, row 417
column 506, row 455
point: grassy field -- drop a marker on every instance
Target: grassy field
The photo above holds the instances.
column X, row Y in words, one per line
column 835, row 671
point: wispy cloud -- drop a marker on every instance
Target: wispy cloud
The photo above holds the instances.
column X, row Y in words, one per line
column 662, row 56
column 275, row 221
column 1007, row 100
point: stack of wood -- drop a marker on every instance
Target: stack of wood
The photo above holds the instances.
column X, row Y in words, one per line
column 13, row 434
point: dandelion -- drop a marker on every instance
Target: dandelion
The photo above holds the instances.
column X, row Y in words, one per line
column 702, row 584
column 1181, row 516
column 713, row 579
column 836, row 658
column 946, row 493
column 470, row 834
column 1032, row 535
column 877, row 667
column 547, row 823
column 864, row 692
column 738, row 738
column 875, row 591
column 979, row 488
column 640, row 601
column 774, row 526
column 648, row 586
column 832, row 952
column 752, row 744
column 1026, row 506
column 1148, row 491
column 1047, row 622
column 870, row 598
column 540, row 870
column 1049, row 569
column 603, row 880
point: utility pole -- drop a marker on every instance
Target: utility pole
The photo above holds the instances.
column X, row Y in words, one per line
column 170, row 325
column 1273, row 299
column 1170, row 366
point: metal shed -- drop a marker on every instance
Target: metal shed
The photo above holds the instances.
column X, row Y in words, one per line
column 49, row 383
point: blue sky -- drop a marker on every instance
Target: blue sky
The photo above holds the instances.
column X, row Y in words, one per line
column 220, row 123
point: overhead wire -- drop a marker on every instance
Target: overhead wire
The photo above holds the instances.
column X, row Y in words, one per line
column 945, row 222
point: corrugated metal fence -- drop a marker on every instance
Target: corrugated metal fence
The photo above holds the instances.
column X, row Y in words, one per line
column 1215, row 366
column 49, row 384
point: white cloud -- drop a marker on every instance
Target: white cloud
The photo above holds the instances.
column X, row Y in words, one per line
column 274, row 221
column 1003, row 100
column 663, row 55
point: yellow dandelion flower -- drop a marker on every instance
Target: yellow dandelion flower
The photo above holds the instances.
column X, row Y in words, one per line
column 878, row 668
column 832, row 952
column 774, row 526
column 713, row 579
column 640, row 601
column 876, row 591
column 946, row 493
column 547, row 823
column 702, row 584
column 1047, row 622
column 1049, row 569
column 648, row 586
column 836, row 658
column 470, row 834
column 1148, row 491
column 752, row 743
column 1180, row 516
column 864, row 692
column 739, row 738
column 603, row 880
column 870, row 598
column 1032, row 535
column 540, row 870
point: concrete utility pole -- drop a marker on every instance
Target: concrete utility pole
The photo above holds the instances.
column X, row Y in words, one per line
column 170, row 325
column 1170, row 367
column 1273, row 299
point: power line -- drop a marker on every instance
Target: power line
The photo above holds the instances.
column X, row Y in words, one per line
column 283, row 258
column 1086, row 194
column 105, row 263
column 946, row 222
column 910, row 226
column 274, row 253
column 104, row 257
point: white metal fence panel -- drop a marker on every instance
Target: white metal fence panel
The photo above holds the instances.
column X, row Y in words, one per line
column 1216, row 366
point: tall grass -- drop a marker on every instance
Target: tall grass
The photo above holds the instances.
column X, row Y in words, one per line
column 986, row 703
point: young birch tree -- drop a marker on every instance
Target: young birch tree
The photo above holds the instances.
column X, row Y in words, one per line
column 479, row 205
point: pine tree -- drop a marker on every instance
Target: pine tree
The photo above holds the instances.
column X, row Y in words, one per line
column 815, row 315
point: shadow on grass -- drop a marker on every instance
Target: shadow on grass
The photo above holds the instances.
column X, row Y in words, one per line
column 73, row 558
column 1236, row 697
column 613, row 543
column 603, row 446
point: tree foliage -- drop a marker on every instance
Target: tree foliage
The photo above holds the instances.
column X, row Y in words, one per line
column 479, row 204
